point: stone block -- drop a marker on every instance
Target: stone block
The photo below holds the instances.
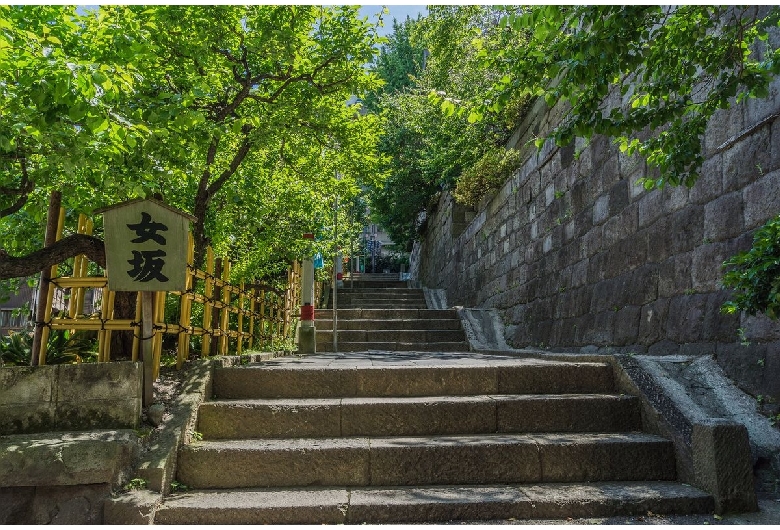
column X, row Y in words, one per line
column 628, row 253
column 686, row 314
column 724, row 124
column 418, row 416
column 675, row 275
column 619, row 197
column 762, row 200
column 102, row 395
column 132, row 507
column 707, row 265
column 723, row 217
column 275, row 463
column 602, row 457
column 741, row 363
column 745, row 161
column 651, row 323
column 601, row 210
column 710, row 183
column 627, row 325
column 453, row 460
column 621, row 226
column 16, row 505
column 760, row 328
column 722, row 464
column 23, row 384
column 70, row 505
column 67, row 459
column 651, row 208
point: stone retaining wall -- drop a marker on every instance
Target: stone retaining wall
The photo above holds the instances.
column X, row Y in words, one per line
column 574, row 253
column 70, row 397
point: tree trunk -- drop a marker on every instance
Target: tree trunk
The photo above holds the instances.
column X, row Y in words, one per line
column 55, row 199
column 122, row 341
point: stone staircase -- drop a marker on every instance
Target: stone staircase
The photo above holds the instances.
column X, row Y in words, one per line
column 384, row 436
column 379, row 312
column 392, row 437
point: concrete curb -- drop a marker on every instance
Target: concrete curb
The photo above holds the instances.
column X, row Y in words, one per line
column 712, row 453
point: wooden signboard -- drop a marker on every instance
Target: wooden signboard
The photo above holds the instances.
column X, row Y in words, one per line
column 146, row 246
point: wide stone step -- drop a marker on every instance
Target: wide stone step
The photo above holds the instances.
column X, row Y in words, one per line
column 525, row 376
column 394, row 346
column 391, row 304
column 386, row 314
column 375, row 284
column 406, row 335
column 366, row 292
column 444, row 415
column 432, row 504
column 393, row 324
column 416, row 461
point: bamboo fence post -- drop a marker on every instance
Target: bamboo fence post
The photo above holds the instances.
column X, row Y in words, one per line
column 159, row 322
column 137, row 336
column 262, row 318
column 75, row 292
column 104, row 335
column 241, row 302
column 287, row 303
column 225, row 314
column 207, row 305
column 185, row 308
column 49, row 294
column 252, row 295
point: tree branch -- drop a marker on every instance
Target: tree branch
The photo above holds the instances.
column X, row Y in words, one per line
column 68, row 247
column 24, row 190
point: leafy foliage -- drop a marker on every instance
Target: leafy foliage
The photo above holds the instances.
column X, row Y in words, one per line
column 62, row 348
column 755, row 274
column 237, row 114
column 648, row 76
column 488, row 173
column 427, row 148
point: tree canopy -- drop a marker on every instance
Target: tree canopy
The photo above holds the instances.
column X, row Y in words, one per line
column 649, row 77
column 426, row 150
column 237, row 114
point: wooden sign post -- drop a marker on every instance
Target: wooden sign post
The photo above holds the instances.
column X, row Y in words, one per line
column 146, row 251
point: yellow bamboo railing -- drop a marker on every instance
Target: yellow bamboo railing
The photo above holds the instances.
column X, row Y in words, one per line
column 271, row 317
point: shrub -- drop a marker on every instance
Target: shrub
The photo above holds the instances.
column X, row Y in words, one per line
column 489, row 173
column 755, row 274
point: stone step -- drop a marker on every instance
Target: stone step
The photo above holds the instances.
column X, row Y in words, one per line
column 521, row 376
column 385, row 314
column 367, row 292
column 394, row 346
column 390, row 304
column 399, row 324
column 432, row 504
column 423, row 336
column 374, row 284
column 419, row 461
column 412, row 416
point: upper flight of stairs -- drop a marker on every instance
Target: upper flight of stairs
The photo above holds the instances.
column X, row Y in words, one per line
column 413, row 437
column 379, row 312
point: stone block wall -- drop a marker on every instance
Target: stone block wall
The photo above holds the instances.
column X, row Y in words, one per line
column 574, row 253
column 70, row 397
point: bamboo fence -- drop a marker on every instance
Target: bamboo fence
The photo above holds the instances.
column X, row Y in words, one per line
column 265, row 315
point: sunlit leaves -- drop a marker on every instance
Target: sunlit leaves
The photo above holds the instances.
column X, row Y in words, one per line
column 624, row 70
